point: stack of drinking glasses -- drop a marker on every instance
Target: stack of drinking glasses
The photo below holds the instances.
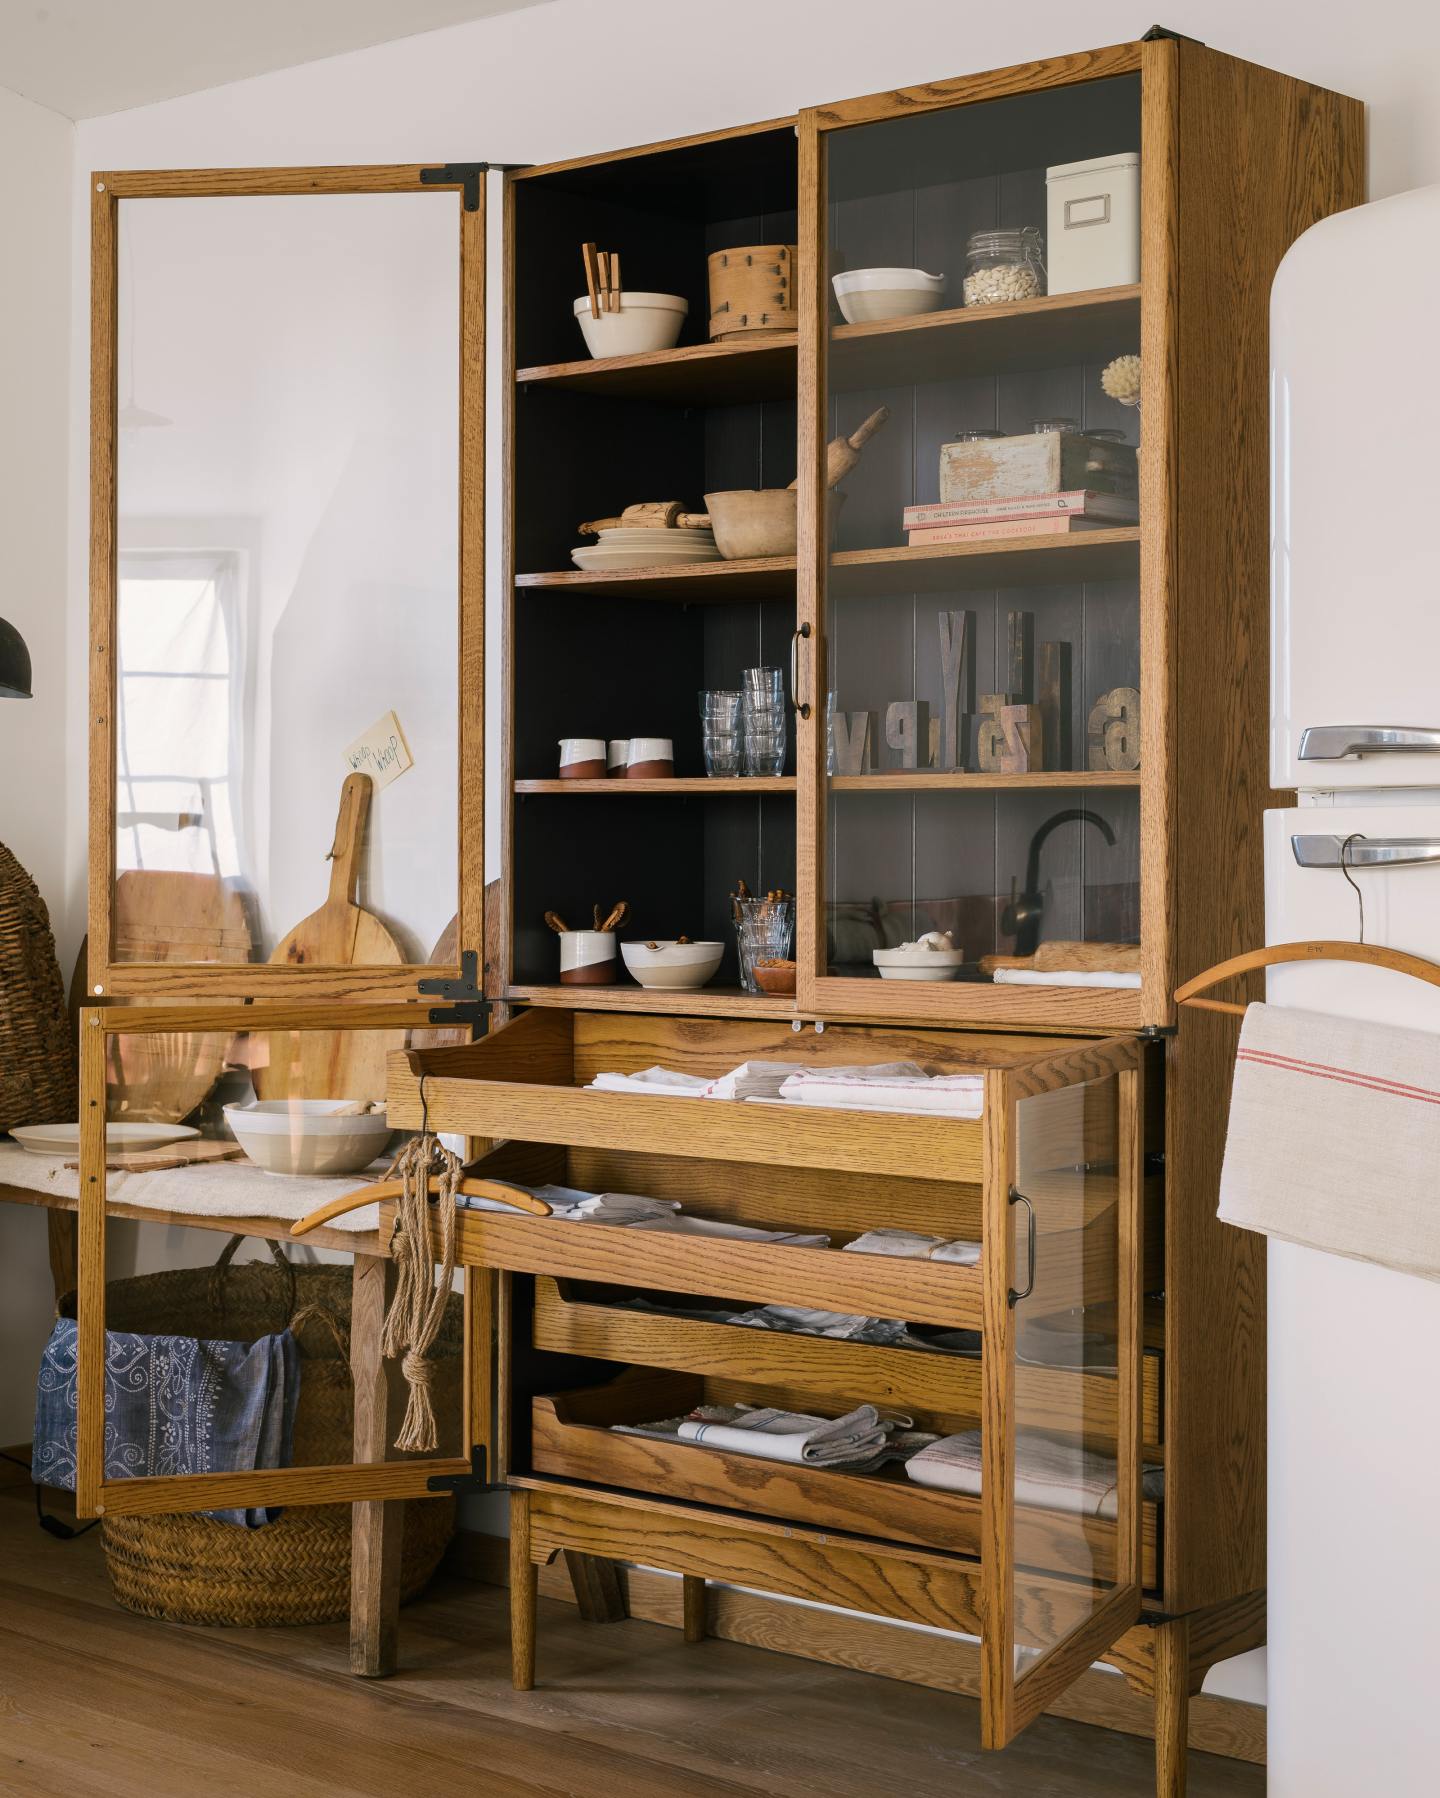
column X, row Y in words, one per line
column 762, row 721
column 720, row 732
column 764, row 931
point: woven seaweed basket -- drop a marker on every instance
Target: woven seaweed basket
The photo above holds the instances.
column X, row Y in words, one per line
column 37, row 1042
column 192, row 1569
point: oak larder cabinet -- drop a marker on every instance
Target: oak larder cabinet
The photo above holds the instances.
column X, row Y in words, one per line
column 1108, row 1311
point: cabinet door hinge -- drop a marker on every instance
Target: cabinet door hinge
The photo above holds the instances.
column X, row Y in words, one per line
column 467, row 177
column 466, row 1001
column 458, row 1483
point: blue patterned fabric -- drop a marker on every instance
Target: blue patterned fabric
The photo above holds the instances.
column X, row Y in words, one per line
column 172, row 1406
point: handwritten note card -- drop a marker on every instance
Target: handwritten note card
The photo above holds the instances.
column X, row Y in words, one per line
column 381, row 752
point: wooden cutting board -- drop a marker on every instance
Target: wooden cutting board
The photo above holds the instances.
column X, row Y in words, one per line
column 168, row 917
column 339, row 1064
column 180, row 1154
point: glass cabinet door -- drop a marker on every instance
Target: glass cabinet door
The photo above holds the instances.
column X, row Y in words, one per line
column 1068, row 1522
column 286, row 581
column 972, row 576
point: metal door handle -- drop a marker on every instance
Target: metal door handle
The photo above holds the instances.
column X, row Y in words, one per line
column 1365, row 852
column 1014, row 1297
column 1333, row 742
column 795, row 636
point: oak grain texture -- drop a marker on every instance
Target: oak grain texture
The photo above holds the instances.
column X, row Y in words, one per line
column 992, row 84
column 375, row 1524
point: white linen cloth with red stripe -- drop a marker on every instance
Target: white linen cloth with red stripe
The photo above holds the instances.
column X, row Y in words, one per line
column 1335, row 1137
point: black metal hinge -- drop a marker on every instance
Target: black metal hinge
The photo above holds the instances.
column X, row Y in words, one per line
column 466, row 1001
column 1153, row 1033
column 458, row 1483
column 1157, row 32
column 467, row 177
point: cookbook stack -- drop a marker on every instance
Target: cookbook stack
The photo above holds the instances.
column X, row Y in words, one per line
column 1045, row 482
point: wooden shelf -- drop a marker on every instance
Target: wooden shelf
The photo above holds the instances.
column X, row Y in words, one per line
column 709, row 1001
column 990, row 340
column 674, row 788
column 932, row 780
column 697, row 373
column 1009, row 562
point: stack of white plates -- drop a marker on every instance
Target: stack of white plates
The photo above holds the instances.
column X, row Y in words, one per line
column 632, row 546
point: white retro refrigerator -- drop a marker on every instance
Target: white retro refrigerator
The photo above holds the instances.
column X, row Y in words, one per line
column 1354, row 1350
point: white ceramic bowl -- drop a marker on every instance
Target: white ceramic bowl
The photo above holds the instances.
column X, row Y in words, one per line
column 865, row 294
column 645, row 321
column 667, row 964
column 919, row 964
column 303, row 1136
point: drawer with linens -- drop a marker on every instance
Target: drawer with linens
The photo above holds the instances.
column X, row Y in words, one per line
column 911, row 1477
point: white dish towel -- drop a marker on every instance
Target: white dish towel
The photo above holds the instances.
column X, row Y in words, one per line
column 1335, row 1137
column 1049, row 1475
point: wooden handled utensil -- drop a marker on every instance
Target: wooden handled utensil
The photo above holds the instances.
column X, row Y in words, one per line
column 592, row 280
column 649, row 514
column 842, row 453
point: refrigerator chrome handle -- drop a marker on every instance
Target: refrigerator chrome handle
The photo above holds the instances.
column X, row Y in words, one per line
column 1365, row 852
column 1334, row 742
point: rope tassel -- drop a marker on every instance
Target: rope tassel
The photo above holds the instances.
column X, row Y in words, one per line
column 418, row 1307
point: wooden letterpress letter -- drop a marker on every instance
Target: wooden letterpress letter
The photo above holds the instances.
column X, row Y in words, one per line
column 907, row 726
column 852, row 733
column 1023, row 751
column 1054, row 700
column 1112, row 735
column 990, row 732
column 956, row 676
column 1020, row 657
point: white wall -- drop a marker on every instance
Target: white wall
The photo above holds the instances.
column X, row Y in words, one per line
column 35, row 152
column 586, row 75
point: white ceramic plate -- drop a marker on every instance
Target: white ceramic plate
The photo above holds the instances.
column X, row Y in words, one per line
column 64, row 1139
column 640, row 558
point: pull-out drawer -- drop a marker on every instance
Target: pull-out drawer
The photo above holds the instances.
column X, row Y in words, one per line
column 944, row 1383
column 571, row 1438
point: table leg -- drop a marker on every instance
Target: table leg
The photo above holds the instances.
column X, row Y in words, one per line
column 376, row 1524
column 64, row 1232
column 694, row 1607
column 524, row 1579
column 1172, row 1706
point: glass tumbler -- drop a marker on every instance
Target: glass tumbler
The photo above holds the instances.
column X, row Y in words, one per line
column 762, row 721
column 764, row 931
column 720, row 733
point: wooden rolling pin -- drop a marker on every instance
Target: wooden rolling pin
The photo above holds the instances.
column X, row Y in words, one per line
column 842, row 453
column 658, row 514
column 1070, row 958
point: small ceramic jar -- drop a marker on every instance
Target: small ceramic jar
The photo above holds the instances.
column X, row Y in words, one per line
column 582, row 758
column 651, row 758
column 587, row 958
column 617, row 755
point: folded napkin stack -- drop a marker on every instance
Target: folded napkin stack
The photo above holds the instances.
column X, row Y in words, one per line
column 657, row 1082
column 1049, row 1475
column 798, row 1320
column 1066, row 977
column 901, row 1086
column 714, row 1226
column 571, row 1204
column 860, row 1440
column 916, row 1247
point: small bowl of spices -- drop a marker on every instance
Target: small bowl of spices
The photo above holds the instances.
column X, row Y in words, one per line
column 775, row 976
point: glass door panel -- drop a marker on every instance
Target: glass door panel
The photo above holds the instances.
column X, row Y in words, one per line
column 1071, row 1550
column 286, row 455
column 979, row 587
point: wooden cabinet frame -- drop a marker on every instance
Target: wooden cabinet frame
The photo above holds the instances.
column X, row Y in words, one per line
column 106, row 976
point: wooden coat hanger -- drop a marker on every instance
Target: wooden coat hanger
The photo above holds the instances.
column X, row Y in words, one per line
column 1373, row 955
column 471, row 1187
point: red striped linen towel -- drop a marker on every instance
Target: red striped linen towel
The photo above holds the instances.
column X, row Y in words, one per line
column 1335, row 1137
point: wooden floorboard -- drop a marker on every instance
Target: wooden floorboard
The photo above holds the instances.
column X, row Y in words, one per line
column 95, row 1703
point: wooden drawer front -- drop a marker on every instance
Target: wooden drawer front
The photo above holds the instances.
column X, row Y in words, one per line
column 570, row 1439
column 908, row 1379
column 930, row 1292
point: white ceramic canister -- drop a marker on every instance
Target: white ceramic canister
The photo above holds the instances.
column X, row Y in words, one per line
column 651, row 758
column 582, row 758
column 587, row 958
column 1092, row 236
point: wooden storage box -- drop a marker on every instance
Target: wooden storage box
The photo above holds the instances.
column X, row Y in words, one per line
column 1036, row 462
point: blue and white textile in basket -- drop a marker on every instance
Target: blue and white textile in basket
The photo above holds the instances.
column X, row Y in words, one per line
column 172, row 1406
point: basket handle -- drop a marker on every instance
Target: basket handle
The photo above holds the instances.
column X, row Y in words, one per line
column 222, row 1264
column 315, row 1311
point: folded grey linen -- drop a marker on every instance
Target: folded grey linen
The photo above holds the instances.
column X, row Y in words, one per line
column 1049, row 1475
column 915, row 1246
column 859, row 1441
column 798, row 1320
column 1334, row 1137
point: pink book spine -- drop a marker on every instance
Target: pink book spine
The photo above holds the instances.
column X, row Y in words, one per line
column 1029, row 505
column 1002, row 527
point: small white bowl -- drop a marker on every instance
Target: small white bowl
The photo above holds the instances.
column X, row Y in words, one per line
column 919, row 964
column 669, row 964
column 866, row 294
column 304, row 1136
column 645, row 321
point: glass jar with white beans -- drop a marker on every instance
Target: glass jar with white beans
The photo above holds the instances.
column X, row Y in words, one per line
column 1003, row 266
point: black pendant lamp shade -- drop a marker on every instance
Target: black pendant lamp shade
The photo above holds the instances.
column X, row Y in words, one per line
column 14, row 664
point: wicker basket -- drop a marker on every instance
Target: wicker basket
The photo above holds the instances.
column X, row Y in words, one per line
column 192, row 1569
column 37, row 1041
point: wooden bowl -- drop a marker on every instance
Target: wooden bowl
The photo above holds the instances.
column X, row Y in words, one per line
column 778, row 977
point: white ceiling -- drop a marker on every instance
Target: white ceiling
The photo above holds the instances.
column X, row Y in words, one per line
column 88, row 57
